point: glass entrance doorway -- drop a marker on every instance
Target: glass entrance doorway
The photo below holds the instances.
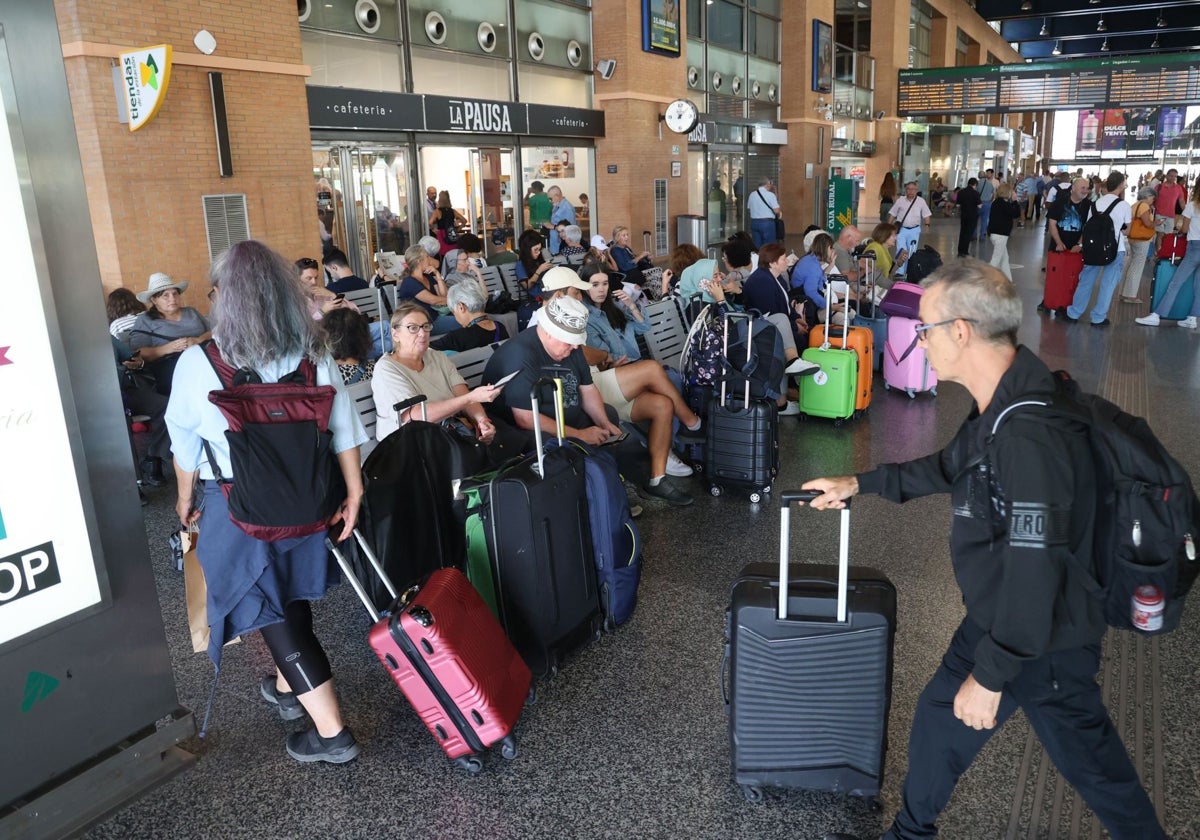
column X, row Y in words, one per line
column 479, row 181
column 363, row 202
column 725, row 201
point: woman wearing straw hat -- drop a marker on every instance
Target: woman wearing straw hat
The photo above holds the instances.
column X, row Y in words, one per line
column 158, row 336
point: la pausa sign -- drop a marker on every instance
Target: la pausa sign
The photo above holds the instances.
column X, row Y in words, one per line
column 482, row 116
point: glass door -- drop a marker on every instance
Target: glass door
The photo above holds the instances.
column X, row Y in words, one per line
column 363, row 202
column 725, row 201
column 479, row 182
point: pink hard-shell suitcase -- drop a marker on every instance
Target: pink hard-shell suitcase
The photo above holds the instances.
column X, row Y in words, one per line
column 905, row 366
column 449, row 656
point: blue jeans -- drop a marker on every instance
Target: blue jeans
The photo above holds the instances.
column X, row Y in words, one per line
column 762, row 231
column 1110, row 276
column 985, row 213
column 1062, row 702
column 1184, row 272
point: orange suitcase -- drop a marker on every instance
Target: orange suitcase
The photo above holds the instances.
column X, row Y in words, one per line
column 861, row 341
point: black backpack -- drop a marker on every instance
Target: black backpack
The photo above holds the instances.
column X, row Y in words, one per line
column 1146, row 521
column 923, row 262
column 1098, row 239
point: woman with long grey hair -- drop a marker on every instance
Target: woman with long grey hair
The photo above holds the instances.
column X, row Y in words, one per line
column 263, row 325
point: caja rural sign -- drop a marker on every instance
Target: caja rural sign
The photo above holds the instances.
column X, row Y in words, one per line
column 144, row 75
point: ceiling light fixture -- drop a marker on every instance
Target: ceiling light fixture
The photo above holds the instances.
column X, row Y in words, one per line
column 1154, row 45
column 1057, row 48
column 1101, row 26
column 1027, row 6
column 1045, row 30
column 1104, row 46
column 1162, row 23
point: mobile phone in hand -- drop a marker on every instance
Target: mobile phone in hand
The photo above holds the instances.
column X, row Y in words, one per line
column 340, row 296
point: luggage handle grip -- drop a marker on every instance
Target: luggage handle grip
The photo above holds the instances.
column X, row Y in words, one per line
column 405, row 405
column 786, row 498
column 729, row 318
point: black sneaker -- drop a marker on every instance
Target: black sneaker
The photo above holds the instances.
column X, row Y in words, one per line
column 287, row 702
column 309, row 746
column 1105, row 323
column 685, row 433
column 665, row 491
column 152, row 472
column 1062, row 313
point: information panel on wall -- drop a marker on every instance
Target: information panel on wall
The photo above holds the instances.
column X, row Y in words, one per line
column 47, row 567
column 1105, row 83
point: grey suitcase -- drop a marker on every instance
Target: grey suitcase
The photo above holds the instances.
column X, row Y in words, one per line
column 808, row 650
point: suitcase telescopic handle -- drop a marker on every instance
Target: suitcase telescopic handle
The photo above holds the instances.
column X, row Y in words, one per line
column 786, row 499
column 559, row 425
column 357, row 584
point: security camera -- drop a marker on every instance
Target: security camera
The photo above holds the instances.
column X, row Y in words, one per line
column 606, row 68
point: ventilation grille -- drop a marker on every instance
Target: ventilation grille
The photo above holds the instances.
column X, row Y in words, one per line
column 225, row 222
column 662, row 243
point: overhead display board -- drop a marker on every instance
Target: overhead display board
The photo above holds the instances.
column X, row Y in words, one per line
column 1105, row 83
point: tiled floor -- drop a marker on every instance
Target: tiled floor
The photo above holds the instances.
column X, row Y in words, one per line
column 630, row 740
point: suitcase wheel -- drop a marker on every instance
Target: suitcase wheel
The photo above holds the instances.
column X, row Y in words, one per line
column 531, row 697
column 508, row 748
column 752, row 793
column 912, row 394
column 471, row 763
column 933, row 392
column 755, row 497
column 886, row 386
column 715, row 490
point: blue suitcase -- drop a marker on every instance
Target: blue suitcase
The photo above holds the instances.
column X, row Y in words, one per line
column 1182, row 307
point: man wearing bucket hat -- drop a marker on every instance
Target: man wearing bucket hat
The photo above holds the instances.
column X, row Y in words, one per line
column 554, row 348
column 158, row 336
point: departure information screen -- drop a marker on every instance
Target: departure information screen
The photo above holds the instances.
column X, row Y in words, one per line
column 1058, row 85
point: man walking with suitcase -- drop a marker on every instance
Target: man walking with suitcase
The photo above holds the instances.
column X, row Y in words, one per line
column 1023, row 519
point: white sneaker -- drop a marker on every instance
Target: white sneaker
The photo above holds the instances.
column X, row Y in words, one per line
column 1151, row 320
column 1189, row 322
column 799, row 365
column 790, row 410
column 676, row 467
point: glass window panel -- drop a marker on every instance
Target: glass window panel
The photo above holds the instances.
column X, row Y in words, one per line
column 695, row 18
column 461, row 25
column 571, row 169
column 764, row 37
column 770, row 7
column 339, row 61
column 725, row 24
column 340, row 17
column 554, row 86
column 449, row 74
column 557, row 24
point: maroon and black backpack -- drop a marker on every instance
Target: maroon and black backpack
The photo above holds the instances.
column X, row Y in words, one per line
column 286, row 480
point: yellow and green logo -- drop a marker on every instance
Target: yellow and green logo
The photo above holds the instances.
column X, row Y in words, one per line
column 146, row 73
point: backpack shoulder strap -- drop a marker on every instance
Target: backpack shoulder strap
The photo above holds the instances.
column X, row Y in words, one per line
column 224, row 371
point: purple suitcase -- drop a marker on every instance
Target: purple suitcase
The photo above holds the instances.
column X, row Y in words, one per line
column 905, row 366
column 902, row 300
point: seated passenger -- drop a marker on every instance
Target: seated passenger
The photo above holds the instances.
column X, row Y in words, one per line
column 811, row 274
column 349, row 338
column 414, row 368
column 476, row 328
column 320, row 299
column 531, row 262
column 882, row 246
column 614, row 319
column 623, row 253
column 572, row 248
column 684, row 257
column 638, row 391
column 423, row 285
column 344, row 279
column 601, row 253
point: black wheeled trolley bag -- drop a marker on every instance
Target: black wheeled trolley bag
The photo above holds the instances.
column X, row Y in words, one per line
column 537, row 529
column 809, row 657
column 742, row 448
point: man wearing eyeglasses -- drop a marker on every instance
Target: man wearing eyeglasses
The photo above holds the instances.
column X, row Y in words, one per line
column 1023, row 513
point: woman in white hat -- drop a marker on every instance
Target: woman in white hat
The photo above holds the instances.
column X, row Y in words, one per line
column 158, row 336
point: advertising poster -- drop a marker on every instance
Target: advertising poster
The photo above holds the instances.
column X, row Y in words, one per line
column 1170, row 125
column 1124, row 132
column 47, row 569
column 660, row 26
column 822, row 59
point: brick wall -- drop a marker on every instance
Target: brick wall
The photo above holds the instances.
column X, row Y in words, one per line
column 145, row 187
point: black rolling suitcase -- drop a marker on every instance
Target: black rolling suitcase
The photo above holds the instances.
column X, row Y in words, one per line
column 810, row 674
column 742, row 446
column 535, row 521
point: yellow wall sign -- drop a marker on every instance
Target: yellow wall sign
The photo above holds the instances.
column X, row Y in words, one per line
column 145, row 73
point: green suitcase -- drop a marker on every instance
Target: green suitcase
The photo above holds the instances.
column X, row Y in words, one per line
column 831, row 391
